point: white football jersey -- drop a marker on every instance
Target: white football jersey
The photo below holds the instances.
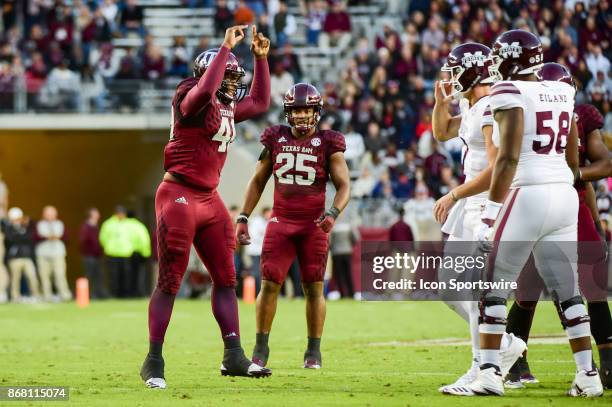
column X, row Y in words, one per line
column 473, row 119
column 548, row 109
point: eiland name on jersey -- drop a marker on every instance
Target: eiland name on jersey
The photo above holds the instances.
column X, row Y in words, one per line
column 551, row 98
column 297, row 149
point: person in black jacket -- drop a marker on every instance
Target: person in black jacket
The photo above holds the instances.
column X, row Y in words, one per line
column 19, row 241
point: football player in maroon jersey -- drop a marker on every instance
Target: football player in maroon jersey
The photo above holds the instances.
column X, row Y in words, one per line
column 188, row 208
column 302, row 158
column 595, row 164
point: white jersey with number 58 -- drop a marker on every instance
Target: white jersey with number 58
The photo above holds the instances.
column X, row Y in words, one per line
column 548, row 108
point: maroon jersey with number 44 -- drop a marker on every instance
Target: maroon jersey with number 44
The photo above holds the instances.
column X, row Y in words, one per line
column 301, row 170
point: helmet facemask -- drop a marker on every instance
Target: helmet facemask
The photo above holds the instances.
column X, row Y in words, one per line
column 454, row 75
column 232, row 89
column 494, row 72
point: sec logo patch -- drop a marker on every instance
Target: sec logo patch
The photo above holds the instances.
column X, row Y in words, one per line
column 315, row 142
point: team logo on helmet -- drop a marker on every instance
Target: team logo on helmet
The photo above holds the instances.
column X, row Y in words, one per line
column 513, row 50
column 315, row 142
column 476, row 59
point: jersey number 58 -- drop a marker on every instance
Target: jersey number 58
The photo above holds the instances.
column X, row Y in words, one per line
column 558, row 139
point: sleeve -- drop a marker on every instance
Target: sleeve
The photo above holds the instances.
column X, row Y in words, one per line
column 336, row 143
column 258, row 99
column 591, row 119
column 267, row 138
column 487, row 117
column 202, row 93
column 505, row 95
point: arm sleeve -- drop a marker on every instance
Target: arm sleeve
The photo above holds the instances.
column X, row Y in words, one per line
column 487, row 117
column 266, row 138
column 258, row 99
column 336, row 144
column 591, row 119
column 505, row 95
column 202, row 93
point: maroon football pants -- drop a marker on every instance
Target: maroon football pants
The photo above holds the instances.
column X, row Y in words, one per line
column 187, row 216
column 287, row 238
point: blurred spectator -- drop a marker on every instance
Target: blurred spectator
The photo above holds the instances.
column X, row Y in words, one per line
column 400, row 231
column 19, row 241
column 61, row 91
column 364, row 185
column 596, row 60
column 223, row 18
column 141, row 244
column 91, row 254
column 131, row 20
column 290, row 61
column 51, row 254
column 243, row 15
column 153, row 65
column 604, row 199
column 203, row 45
column 419, row 214
column 105, row 60
column 257, row 230
column 315, row 18
column 343, row 238
column 280, row 82
column 284, row 25
column 179, row 64
column 433, row 36
column 116, row 240
column 110, row 11
column 336, row 28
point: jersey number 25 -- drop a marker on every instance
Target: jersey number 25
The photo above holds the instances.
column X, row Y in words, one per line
column 298, row 161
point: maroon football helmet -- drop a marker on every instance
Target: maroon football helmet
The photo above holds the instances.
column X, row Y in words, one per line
column 467, row 66
column 303, row 95
column 516, row 52
column 232, row 89
column 552, row 71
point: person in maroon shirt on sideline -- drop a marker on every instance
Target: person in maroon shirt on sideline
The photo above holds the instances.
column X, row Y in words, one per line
column 188, row 208
column 336, row 27
column 91, row 254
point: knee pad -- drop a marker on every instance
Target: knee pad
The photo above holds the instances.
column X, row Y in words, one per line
column 492, row 318
column 574, row 317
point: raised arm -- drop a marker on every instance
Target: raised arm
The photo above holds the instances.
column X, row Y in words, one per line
column 444, row 125
column 201, row 95
column 258, row 99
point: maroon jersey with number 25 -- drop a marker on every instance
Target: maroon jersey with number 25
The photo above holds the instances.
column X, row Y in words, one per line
column 301, row 169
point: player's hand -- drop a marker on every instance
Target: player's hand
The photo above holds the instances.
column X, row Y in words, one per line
column 242, row 234
column 327, row 220
column 443, row 207
column 260, row 46
column 484, row 234
column 234, row 35
column 439, row 96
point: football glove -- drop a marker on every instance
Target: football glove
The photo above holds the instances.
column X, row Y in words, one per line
column 242, row 230
column 484, row 231
column 327, row 220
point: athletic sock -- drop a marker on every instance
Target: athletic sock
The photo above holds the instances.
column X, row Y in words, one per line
column 520, row 320
column 160, row 311
column 155, row 349
column 490, row 357
column 225, row 310
column 605, row 357
column 261, row 339
column 314, row 344
column 601, row 322
column 584, row 360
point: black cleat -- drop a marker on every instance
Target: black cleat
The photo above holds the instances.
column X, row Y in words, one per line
column 605, row 372
column 235, row 363
column 312, row 359
column 260, row 355
column 152, row 372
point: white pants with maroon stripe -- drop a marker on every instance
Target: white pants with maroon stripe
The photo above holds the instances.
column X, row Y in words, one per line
column 543, row 220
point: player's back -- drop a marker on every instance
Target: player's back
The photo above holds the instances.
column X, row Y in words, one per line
column 548, row 110
column 300, row 169
column 198, row 144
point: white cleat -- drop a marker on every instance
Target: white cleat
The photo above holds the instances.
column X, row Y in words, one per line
column 510, row 354
column 586, row 384
column 460, row 387
column 488, row 383
column 156, row 383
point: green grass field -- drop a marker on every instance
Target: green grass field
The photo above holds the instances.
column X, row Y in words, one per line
column 374, row 354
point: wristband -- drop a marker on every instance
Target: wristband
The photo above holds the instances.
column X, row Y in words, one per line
column 242, row 218
column 491, row 210
column 333, row 212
